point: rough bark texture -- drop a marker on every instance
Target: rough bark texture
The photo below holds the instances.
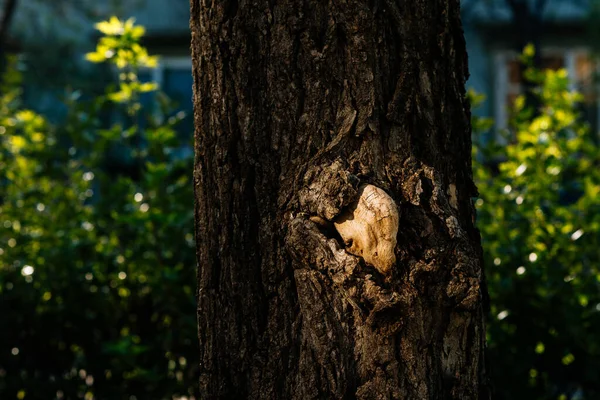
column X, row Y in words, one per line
column 297, row 104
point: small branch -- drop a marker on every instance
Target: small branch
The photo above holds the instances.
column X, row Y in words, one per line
column 7, row 16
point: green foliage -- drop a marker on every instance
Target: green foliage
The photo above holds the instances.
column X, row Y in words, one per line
column 478, row 124
column 539, row 216
column 96, row 249
column 120, row 46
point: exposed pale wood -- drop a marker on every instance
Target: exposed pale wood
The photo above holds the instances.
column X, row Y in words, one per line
column 297, row 104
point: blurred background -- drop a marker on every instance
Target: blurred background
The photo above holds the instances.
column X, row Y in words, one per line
column 565, row 33
column 97, row 270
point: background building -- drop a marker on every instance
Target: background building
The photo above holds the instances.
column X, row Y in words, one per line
column 564, row 31
column 55, row 35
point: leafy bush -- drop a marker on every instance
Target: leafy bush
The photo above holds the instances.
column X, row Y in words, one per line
column 539, row 216
column 97, row 260
column 97, row 263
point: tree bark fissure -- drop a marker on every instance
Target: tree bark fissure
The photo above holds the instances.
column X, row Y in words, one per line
column 297, row 103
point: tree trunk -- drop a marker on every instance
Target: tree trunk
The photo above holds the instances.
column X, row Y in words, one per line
column 298, row 105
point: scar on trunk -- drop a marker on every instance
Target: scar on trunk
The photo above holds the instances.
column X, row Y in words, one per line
column 369, row 228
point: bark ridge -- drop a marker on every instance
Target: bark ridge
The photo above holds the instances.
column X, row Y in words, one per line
column 299, row 105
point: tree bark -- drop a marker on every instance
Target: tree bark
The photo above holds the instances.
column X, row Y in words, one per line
column 298, row 105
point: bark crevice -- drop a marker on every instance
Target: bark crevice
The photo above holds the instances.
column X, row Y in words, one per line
column 298, row 105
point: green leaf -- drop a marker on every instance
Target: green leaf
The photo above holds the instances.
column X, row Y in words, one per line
column 111, row 27
column 95, row 57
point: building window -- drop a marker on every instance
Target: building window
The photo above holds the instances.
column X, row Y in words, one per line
column 509, row 83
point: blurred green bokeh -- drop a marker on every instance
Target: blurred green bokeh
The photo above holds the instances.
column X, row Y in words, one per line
column 539, row 217
column 97, row 264
column 97, row 260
